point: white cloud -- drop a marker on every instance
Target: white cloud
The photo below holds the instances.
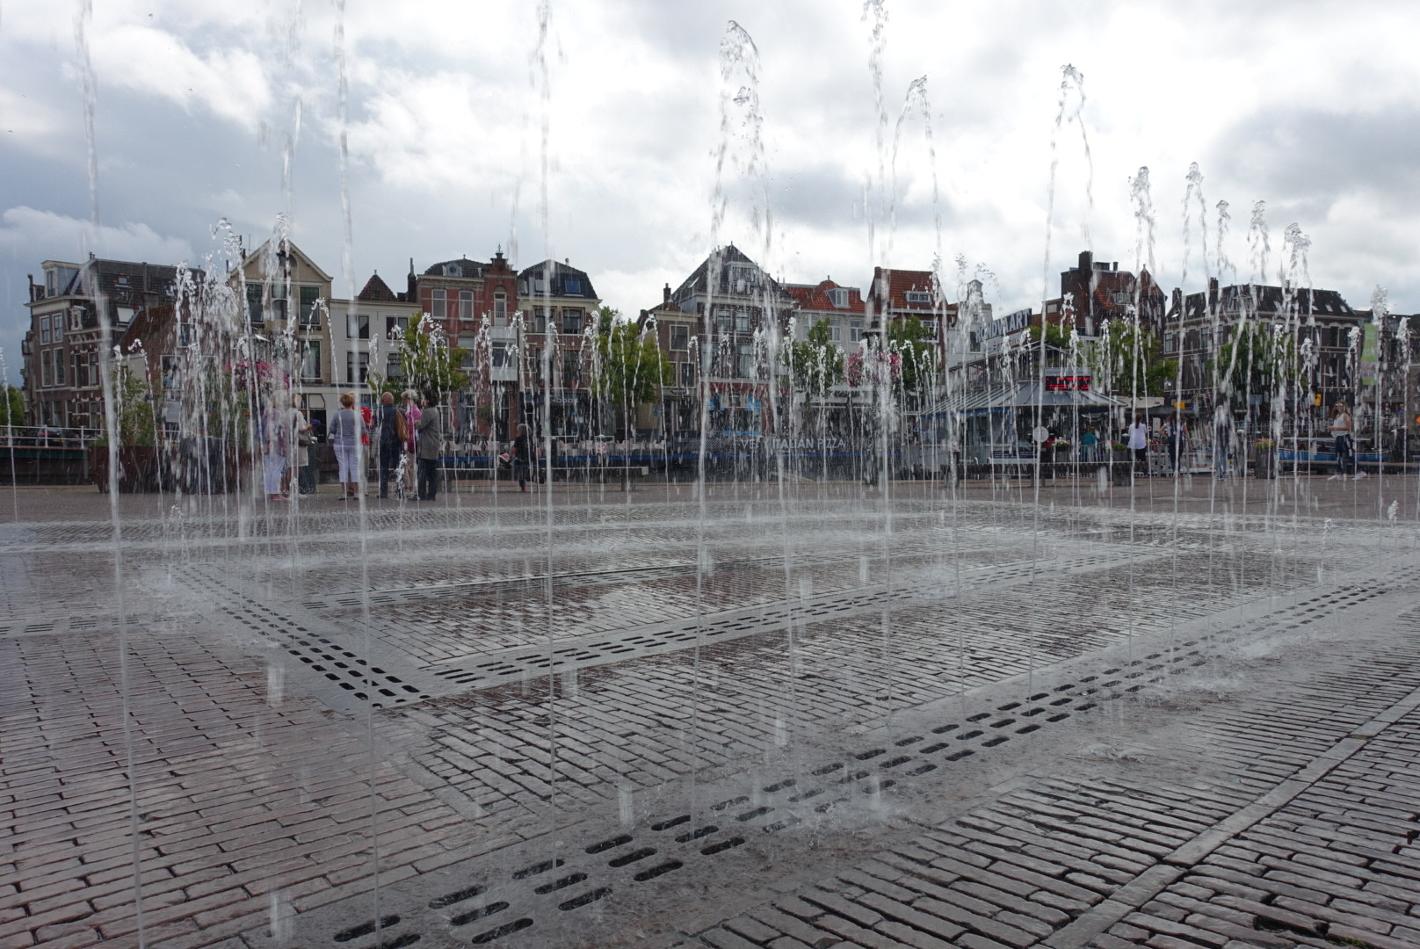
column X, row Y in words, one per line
column 232, row 83
column 43, row 235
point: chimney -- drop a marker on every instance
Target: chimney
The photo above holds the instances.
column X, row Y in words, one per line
column 1212, row 292
column 1087, row 261
column 1177, row 300
column 1114, row 265
column 666, row 294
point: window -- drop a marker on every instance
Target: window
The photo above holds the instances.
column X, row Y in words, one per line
column 687, row 374
column 571, row 368
column 855, row 330
column 572, row 286
column 170, row 377
column 125, row 316
column 930, row 326
column 393, row 368
column 745, row 364
column 357, row 326
column 453, row 270
column 397, row 324
column 680, row 338
column 58, row 327
column 309, row 296
column 254, row 303
column 465, row 304
column 572, row 321
column 44, row 329
column 724, row 321
column 75, row 315
column 58, row 366
column 310, row 362
column 499, row 355
column 44, row 368
column 79, row 379
column 917, row 296
column 500, row 306
column 357, row 366
column 838, row 297
column 438, row 304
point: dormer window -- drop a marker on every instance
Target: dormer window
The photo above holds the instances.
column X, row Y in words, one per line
column 918, row 296
column 571, row 285
column 453, row 270
column 838, row 297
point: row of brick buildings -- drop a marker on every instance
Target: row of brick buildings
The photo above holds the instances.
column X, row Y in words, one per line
column 503, row 318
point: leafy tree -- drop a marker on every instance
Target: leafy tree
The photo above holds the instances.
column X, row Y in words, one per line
column 1123, row 371
column 1055, row 335
column 1253, row 359
column 631, row 368
column 12, row 407
column 816, row 363
column 137, row 425
column 917, row 347
column 428, row 364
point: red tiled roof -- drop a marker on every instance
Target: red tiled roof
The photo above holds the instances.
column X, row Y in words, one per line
column 899, row 282
column 815, row 297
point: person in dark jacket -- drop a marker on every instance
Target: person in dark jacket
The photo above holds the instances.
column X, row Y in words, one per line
column 522, row 457
column 431, row 444
column 388, row 426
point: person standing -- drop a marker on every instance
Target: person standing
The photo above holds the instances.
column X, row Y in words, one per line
column 1178, row 437
column 300, row 448
column 522, row 457
column 1139, row 445
column 273, row 448
column 1341, row 441
column 1222, row 440
column 390, row 426
column 1089, row 443
column 345, row 433
column 411, row 433
column 431, row 443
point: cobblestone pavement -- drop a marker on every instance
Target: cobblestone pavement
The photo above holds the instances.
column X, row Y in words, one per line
column 815, row 720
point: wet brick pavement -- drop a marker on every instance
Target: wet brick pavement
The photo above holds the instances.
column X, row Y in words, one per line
column 972, row 723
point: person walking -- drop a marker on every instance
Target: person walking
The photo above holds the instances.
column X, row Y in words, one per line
column 431, row 443
column 410, row 410
column 390, row 425
column 299, row 447
column 1139, row 445
column 522, row 457
column 274, row 422
column 345, row 433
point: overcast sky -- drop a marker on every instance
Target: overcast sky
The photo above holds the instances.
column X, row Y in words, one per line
column 1313, row 107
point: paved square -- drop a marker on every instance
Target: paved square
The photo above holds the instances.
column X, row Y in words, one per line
column 1163, row 717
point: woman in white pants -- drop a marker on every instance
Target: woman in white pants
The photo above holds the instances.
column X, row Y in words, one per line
column 344, row 434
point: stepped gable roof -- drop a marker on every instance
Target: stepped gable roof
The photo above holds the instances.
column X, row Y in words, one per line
column 817, row 298
column 1269, row 301
column 566, row 281
column 376, row 291
column 460, row 267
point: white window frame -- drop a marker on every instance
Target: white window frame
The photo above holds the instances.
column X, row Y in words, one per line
column 466, row 304
column 500, row 305
column 439, row 303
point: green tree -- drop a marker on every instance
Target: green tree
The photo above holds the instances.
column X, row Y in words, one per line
column 1055, row 335
column 12, row 407
column 137, row 425
column 917, row 346
column 1128, row 361
column 816, row 363
column 1253, row 360
column 427, row 365
column 631, row 369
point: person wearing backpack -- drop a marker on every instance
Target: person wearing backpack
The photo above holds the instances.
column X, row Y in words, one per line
column 391, row 434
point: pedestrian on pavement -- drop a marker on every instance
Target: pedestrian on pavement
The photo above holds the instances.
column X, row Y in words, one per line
column 299, row 448
column 1089, row 442
column 1178, row 439
column 522, row 457
column 411, row 428
column 1139, row 444
column 1342, row 443
column 1222, row 440
column 273, row 447
column 390, row 425
column 346, row 431
column 431, row 444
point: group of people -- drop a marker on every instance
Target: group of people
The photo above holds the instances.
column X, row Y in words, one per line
column 1173, row 433
column 410, row 431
